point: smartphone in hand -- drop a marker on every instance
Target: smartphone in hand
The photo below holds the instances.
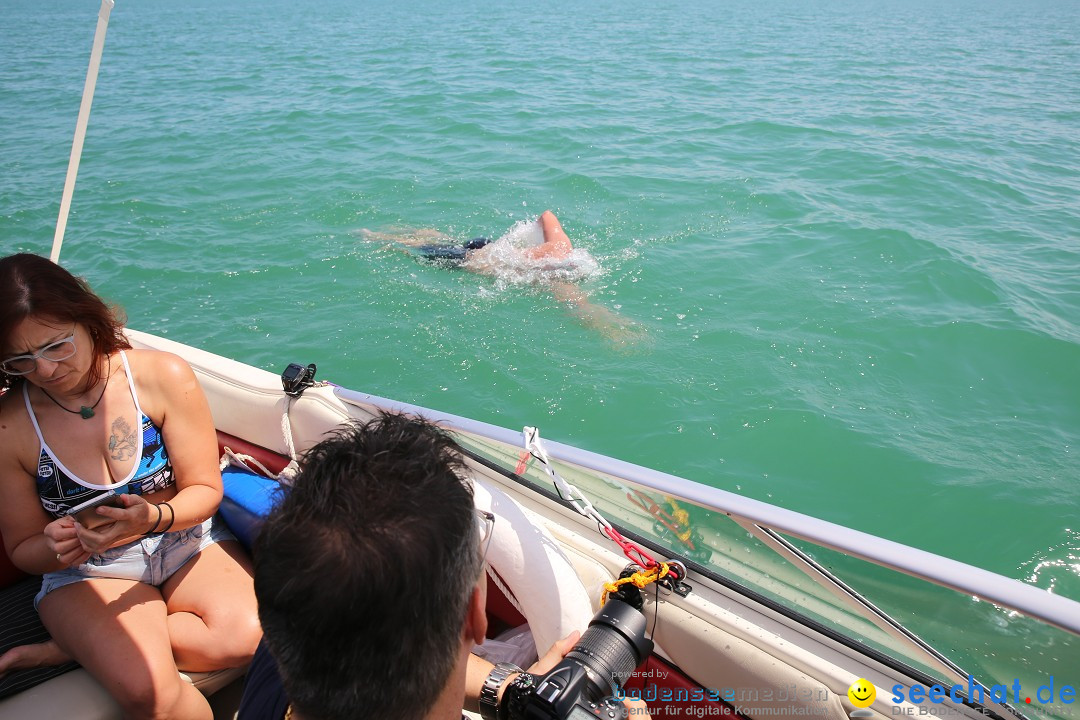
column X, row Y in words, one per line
column 86, row 513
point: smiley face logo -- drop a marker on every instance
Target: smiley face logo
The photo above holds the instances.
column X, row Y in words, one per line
column 862, row 693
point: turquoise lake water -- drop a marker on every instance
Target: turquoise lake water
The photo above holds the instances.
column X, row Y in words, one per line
column 842, row 240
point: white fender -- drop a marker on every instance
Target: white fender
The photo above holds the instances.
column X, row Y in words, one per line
column 530, row 563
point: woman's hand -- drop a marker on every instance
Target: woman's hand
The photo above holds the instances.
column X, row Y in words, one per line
column 133, row 520
column 61, row 537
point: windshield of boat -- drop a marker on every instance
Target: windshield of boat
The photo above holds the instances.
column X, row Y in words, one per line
column 940, row 635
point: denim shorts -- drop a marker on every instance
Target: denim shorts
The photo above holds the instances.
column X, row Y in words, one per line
column 151, row 560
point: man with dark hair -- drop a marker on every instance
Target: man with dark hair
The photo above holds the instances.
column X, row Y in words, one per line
column 370, row 585
column 368, row 576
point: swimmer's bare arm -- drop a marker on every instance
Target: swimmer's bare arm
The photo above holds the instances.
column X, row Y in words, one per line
column 556, row 242
column 407, row 238
column 609, row 323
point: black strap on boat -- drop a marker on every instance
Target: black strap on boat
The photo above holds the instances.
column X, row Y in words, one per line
column 295, row 379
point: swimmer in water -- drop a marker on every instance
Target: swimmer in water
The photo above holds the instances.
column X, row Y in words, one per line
column 540, row 251
column 482, row 255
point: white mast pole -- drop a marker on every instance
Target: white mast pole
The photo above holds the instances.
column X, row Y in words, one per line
column 80, row 126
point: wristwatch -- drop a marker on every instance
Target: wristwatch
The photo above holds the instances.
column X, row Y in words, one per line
column 489, row 693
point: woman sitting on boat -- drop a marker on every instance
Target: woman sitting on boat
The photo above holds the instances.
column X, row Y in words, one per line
column 151, row 581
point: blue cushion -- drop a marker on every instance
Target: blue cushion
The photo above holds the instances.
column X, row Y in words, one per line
column 248, row 499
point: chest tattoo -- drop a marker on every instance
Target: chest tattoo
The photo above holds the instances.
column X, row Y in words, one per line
column 122, row 440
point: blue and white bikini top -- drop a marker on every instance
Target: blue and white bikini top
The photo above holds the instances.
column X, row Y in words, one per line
column 60, row 489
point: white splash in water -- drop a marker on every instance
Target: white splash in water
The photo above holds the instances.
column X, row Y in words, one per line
column 504, row 259
column 1057, row 569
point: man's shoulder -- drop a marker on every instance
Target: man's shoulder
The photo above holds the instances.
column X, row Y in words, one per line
column 264, row 695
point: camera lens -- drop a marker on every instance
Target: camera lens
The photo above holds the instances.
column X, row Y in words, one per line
column 612, row 647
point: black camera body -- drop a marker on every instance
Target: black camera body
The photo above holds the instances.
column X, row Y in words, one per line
column 584, row 683
column 563, row 693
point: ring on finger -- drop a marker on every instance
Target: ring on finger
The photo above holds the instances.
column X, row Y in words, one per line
column 57, row 556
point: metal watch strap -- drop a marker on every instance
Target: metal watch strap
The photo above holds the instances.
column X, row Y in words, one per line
column 489, row 693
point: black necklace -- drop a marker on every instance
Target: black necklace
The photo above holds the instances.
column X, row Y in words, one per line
column 85, row 412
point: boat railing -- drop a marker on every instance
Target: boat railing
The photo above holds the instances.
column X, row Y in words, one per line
column 873, row 603
column 1034, row 602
